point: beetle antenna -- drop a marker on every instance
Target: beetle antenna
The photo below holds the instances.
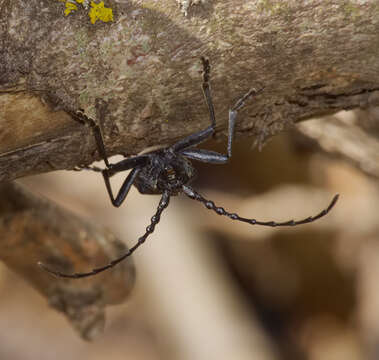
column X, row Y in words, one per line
column 163, row 203
column 192, row 194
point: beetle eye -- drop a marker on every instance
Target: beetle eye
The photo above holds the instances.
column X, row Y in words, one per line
column 170, row 172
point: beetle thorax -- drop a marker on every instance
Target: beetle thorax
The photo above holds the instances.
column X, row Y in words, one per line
column 166, row 171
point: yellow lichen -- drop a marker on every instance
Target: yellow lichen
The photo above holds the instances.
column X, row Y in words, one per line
column 69, row 8
column 100, row 12
column 97, row 11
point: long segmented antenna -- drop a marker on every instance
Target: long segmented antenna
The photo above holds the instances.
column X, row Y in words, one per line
column 192, row 194
column 163, row 203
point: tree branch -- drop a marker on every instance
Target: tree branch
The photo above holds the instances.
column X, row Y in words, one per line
column 312, row 57
column 34, row 229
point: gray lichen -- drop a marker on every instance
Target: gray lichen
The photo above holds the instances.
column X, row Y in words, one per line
column 186, row 4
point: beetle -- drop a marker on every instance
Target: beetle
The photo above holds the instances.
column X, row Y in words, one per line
column 169, row 171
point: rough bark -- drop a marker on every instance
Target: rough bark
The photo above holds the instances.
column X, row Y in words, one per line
column 33, row 229
column 312, row 57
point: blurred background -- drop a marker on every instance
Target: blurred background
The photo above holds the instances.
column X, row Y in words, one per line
column 211, row 288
